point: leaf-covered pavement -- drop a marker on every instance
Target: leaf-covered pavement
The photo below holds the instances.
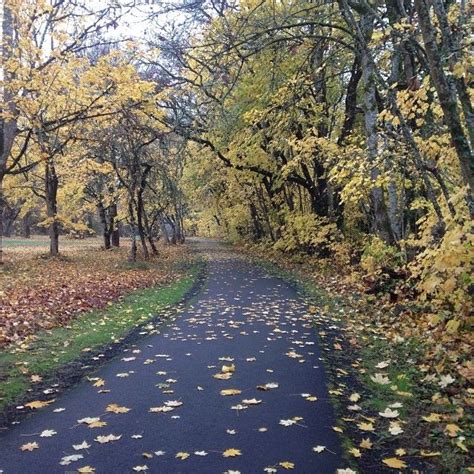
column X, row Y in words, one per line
column 234, row 384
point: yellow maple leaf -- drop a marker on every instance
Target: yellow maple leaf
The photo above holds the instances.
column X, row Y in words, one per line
column 355, row 452
column 394, row 463
column 86, row 470
column 230, row 391
column 452, row 430
column 366, row 426
column 231, row 452
column 38, row 404
column 287, row 465
column 182, row 455
column 99, row 383
column 225, row 376
column 432, row 417
column 29, row 446
column 400, row 452
column 114, row 408
column 366, row 443
column 355, row 397
column 97, row 424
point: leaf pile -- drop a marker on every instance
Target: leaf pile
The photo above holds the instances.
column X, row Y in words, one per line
column 38, row 293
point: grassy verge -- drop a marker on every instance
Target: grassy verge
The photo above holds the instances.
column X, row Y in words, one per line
column 37, row 359
column 359, row 341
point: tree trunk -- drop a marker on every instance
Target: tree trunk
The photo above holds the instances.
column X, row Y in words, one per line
column 2, row 208
column 114, row 226
column 133, row 247
column 164, row 230
column 448, row 99
column 380, row 225
column 8, row 126
column 26, row 234
column 116, row 238
column 9, row 218
column 141, row 230
column 105, row 225
column 51, row 194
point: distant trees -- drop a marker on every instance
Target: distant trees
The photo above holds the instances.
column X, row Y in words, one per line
column 77, row 122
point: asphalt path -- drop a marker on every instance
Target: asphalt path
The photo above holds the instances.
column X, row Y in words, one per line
column 235, row 383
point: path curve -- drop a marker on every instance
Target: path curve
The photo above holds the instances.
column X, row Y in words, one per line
column 242, row 317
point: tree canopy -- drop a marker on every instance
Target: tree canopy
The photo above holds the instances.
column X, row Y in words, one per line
column 339, row 130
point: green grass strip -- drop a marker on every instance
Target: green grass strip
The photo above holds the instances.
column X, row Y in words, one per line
column 89, row 331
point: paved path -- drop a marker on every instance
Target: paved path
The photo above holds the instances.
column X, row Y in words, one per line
column 242, row 318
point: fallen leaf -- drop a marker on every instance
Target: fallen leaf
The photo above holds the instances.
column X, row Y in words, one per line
column 29, row 446
column 83, row 445
column 355, row 452
column 446, row 380
column 173, row 403
column 162, row 409
column 452, row 430
column 355, row 397
column 230, row 391
column 287, row 465
column 114, row 408
column 287, row 422
column 394, row 463
column 182, row 455
column 429, row 454
column 366, row 426
column 251, row 401
column 432, row 418
column 380, row 379
column 231, row 452
column 366, row 443
column 395, row 428
column 107, row 439
column 38, row 404
column 66, row 460
column 225, row 376
column 389, row 413
column 268, row 386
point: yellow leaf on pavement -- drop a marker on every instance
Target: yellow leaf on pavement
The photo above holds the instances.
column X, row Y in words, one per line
column 29, row 446
column 231, row 391
column 182, row 455
column 231, row 452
